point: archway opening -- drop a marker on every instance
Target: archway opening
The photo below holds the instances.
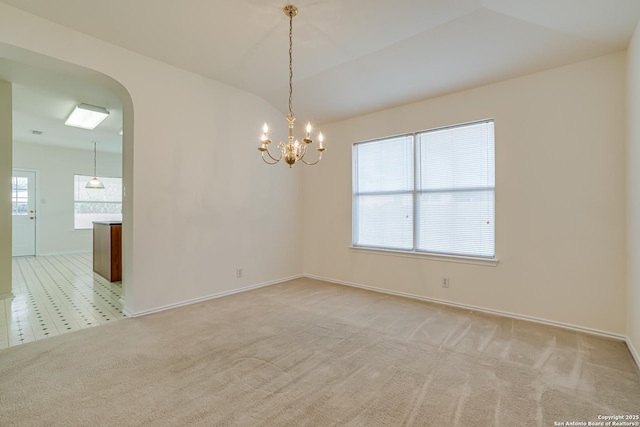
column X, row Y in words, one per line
column 61, row 83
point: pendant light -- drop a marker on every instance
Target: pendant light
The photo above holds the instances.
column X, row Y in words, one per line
column 95, row 182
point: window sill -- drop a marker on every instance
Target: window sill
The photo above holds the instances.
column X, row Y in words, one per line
column 489, row 262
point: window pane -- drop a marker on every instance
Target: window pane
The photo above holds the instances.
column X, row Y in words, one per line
column 385, row 165
column 19, row 208
column 457, row 223
column 20, row 183
column 19, row 195
column 384, row 221
column 87, row 212
column 457, row 157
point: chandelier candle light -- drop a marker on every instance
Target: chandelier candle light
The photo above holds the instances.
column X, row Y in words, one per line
column 293, row 150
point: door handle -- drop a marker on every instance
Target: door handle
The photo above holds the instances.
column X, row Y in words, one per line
column 31, row 217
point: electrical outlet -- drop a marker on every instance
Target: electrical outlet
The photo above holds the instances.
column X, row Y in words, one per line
column 238, row 273
column 444, row 281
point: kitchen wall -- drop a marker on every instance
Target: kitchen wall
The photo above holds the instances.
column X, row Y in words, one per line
column 55, row 168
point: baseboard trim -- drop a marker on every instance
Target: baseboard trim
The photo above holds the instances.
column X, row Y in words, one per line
column 210, row 297
column 123, row 304
column 633, row 351
column 126, row 312
column 7, row 296
column 480, row 309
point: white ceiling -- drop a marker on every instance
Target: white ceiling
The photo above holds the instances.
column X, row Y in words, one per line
column 350, row 56
column 42, row 101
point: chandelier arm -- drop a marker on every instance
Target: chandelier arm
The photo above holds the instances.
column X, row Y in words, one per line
column 311, row 163
column 303, row 150
column 272, row 158
column 268, row 162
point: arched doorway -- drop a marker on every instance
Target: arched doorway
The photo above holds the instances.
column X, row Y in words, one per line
column 24, row 69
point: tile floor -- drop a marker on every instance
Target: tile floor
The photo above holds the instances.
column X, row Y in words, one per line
column 54, row 295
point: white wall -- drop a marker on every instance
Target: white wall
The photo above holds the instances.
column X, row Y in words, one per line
column 5, row 188
column 560, row 199
column 633, row 167
column 199, row 202
column 55, row 167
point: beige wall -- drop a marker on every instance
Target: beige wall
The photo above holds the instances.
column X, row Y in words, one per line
column 203, row 203
column 560, row 199
column 5, row 187
column 633, row 166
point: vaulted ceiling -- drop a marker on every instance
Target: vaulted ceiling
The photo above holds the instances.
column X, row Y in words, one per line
column 353, row 56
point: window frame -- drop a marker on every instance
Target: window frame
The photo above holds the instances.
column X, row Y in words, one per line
column 414, row 252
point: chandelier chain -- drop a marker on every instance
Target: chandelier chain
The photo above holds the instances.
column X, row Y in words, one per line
column 290, row 65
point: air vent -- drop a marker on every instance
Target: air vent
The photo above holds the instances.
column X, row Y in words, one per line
column 36, row 132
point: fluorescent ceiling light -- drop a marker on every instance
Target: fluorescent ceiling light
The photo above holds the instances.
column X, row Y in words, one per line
column 86, row 116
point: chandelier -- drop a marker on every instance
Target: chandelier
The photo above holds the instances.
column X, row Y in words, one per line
column 293, row 150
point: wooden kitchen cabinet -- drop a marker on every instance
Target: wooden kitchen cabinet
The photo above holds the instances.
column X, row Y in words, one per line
column 107, row 249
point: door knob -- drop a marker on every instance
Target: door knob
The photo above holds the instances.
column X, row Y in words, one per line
column 31, row 217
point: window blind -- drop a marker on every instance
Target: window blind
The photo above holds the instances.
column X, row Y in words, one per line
column 455, row 193
column 383, row 193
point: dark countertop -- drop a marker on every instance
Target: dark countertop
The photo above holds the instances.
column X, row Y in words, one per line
column 108, row 222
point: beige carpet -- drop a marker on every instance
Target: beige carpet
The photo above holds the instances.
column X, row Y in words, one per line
column 309, row 353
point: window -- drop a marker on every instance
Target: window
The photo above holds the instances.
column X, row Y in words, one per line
column 94, row 204
column 19, row 195
column 428, row 192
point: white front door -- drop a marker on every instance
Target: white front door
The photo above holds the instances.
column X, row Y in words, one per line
column 23, row 210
